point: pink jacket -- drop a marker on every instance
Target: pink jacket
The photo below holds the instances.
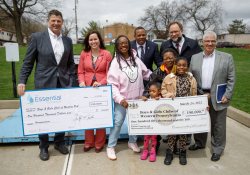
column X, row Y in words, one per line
column 86, row 71
column 128, row 82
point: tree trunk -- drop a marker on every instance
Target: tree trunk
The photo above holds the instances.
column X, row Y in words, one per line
column 18, row 26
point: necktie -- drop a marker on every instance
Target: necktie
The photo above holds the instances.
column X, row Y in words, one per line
column 177, row 45
column 142, row 53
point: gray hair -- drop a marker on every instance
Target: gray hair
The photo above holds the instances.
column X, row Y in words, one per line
column 209, row 33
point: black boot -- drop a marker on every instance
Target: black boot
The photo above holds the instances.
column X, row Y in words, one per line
column 183, row 157
column 169, row 157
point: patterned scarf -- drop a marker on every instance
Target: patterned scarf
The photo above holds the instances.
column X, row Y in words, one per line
column 164, row 68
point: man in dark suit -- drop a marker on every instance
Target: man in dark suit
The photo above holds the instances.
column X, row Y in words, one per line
column 146, row 50
column 211, row 68
column 53, row 55
column 185, row 47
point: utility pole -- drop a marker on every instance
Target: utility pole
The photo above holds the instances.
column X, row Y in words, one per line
column 76, row 2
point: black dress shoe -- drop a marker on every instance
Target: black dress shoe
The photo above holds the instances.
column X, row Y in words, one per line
column 215, row 157
column 195, row 147
column 62, row 148
column 44, row 154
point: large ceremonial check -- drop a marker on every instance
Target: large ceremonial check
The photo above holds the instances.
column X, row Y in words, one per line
column 66, row 109
column 182, row 115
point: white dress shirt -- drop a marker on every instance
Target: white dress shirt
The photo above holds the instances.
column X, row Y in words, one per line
column 207, row 70
column 57, row 45
column 180, row 44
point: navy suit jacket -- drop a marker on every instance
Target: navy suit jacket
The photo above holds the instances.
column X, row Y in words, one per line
column 151, row 54
column 189, row 48
column 48, row 72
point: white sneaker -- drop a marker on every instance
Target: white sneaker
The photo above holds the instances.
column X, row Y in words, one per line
column 134, row 147
column 111, row 153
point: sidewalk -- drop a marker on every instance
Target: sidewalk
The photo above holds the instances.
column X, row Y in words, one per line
column 22, row 159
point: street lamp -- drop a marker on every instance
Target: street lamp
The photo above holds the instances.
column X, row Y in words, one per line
column 76, row 2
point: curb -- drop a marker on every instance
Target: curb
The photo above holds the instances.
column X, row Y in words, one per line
column 9, row 104
column 239, row 116
column 235, row 114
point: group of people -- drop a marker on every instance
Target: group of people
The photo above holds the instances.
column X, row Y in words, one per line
column 183, row 69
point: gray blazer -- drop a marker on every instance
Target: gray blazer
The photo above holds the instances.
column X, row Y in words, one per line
column 47, row 71
column 224, row 72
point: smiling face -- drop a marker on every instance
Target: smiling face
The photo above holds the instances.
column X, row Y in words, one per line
column 140, row 36
column 55, row 24
column 175, row 32
column 209, row 43
column 181, row 67
column 123, row 46
column 168, row 60
column 94, row 41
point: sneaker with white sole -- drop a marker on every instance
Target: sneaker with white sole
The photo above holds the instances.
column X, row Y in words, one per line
column 111, row 153
column 134, row 147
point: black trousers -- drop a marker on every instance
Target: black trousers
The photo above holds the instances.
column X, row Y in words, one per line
column 59, row 137
column 44, row 139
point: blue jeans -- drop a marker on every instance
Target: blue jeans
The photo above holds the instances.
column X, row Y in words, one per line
column 120, row 114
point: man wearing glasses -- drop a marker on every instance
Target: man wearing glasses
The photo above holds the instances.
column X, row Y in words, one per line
column 213, row 69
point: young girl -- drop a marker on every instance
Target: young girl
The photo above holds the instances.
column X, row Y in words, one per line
column 180, row 84
column 155, row 93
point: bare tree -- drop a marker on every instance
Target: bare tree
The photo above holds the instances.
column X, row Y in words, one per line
column 157, row 18
column 68, row 25
column 15, row 9
column 30, row 26
column 204, row 14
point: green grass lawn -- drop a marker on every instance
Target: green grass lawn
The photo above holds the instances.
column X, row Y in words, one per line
column 240, row 99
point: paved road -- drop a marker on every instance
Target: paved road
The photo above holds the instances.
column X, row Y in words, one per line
column 20, row 159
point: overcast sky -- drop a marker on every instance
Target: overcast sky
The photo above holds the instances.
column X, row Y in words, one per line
column 129, row 11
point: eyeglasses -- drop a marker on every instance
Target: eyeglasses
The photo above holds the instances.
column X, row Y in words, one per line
column 209, row 41
column 123, row 43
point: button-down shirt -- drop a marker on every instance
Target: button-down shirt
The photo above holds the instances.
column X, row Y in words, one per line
column 207, row 70
column 57, row 45
column 180, row 44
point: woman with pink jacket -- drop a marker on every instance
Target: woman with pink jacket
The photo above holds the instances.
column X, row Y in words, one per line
column 126, row 75
column 92, row 71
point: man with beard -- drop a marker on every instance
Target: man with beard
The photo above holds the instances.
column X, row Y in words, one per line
column 185, row 47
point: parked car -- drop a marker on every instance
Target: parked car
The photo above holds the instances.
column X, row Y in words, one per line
column 80, row 40
column 158, row 41
column 225, row 44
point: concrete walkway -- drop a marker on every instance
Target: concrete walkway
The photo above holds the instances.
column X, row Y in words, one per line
column 23, row 159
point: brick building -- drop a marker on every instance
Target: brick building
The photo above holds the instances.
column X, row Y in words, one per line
column 111, row 32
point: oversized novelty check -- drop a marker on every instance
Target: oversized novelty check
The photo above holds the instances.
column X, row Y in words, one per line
column 57, row 110
column 183, row 115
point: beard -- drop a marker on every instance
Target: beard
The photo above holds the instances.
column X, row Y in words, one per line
column 178, row 39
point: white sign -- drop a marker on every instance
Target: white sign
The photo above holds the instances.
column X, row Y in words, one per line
column 12, row 52
column 182, row 115
column 57, row 110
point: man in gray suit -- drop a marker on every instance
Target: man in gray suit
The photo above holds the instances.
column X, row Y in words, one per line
column 53, row 55
column 211, row 68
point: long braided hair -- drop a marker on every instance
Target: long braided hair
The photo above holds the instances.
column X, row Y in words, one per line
column 119, row 56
